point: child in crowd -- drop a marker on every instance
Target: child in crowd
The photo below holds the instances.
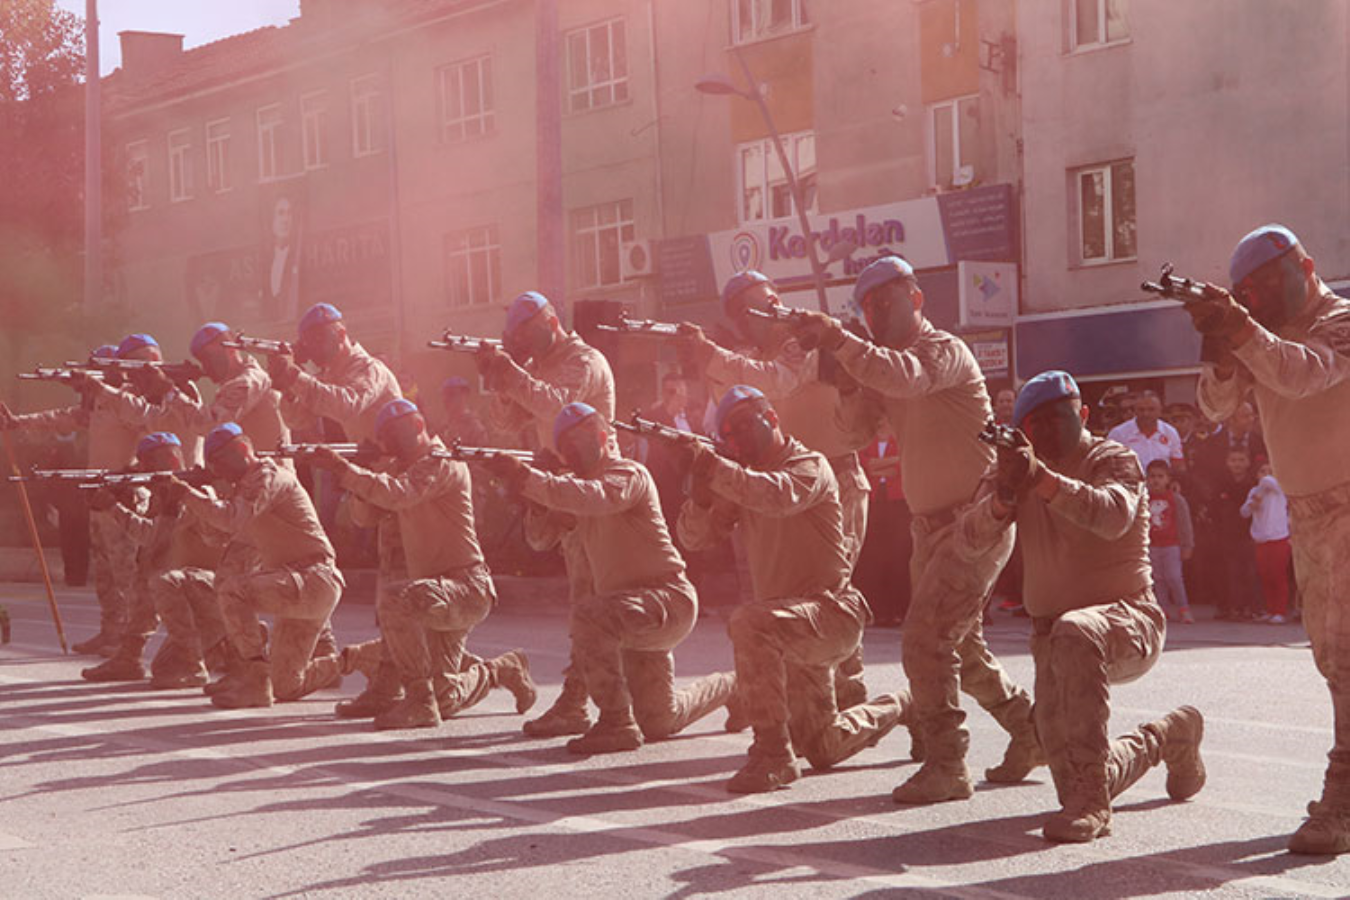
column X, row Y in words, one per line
column 1238, row 597
column 1171, row 540
column 1268, row 509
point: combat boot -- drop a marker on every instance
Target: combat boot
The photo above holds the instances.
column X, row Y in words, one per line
column 125, row 665
column 738, row 717
column 1325, row 833
column 96, row 644
column 1086, row 814
column 918, row 749
column 936, row 783
column 763, row 774
column 512, row 671
column 610, row 735
column 1023, row 754
column 417, row 709
column 567, row 715
column 180, row 678
column 250, row 687
column 1179, row 734
column 380, row 695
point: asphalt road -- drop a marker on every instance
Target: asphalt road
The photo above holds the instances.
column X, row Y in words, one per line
column 117, row 791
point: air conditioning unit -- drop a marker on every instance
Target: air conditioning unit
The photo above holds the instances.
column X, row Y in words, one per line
column 636, row 259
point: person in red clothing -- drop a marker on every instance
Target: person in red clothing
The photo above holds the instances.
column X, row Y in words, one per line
column 1171, row 540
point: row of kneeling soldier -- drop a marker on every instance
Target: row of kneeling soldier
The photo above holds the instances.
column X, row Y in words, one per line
column 215, row 546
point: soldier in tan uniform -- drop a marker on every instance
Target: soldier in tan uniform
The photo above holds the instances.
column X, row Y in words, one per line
column 294, row 575
column 166, row 546
column 558, row 368
column 112, row 445
column 642, row 604
column 1080, row 505
column 790, row 377
column 806, row 617
column 244, row 392
column 930, row 387
column 426, row 617
column 1286, row 337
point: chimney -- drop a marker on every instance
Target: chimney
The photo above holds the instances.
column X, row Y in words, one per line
column 146, row 53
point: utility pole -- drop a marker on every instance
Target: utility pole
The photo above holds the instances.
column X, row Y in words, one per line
column 93, row 172
column 549, row 232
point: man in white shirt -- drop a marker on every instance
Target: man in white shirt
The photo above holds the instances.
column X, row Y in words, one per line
column 1149, row 436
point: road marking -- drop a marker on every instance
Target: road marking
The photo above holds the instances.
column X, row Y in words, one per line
column 14, row 842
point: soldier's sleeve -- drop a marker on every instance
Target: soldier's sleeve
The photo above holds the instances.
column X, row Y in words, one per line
column 776, row 378
column 137, row 527
column 131, row 410
column 341, row 402
column 64, row 419
column 1107, row 503
column 926, row 368
column 979, row 526
column 545, row 399
column 614, row 491
column 1296, row 369
column 1219, row 397
column 544, row 528
column 236, row 398
column 415, row 486
column 858, row 416
column 702, row 527
column 252, row 498
column 777, row 493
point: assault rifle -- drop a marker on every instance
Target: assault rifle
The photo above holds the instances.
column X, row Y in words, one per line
column 783, row 314
column 462, row 343
column 58, row 374
column 264, row 346
column 646, row 428
column 996, row 435
column 180, row 373
column 1186, row 290
column 92, row 479
column 294, row 451
column 641, row 327
column 462, row 453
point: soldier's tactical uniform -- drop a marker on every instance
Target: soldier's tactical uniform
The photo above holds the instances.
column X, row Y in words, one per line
column 1088, row 588
column 426, row 616
column 137, row 413
column 641, row 607
column 291, row 573
column 246, row 398
column 112, row 445
column 807, row 408
column 934, row 396
column 570, row 371
column 1301, row 376
column 805, row 620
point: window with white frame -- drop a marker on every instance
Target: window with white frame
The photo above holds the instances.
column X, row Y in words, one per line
column 1096, row 22
column 598, row 235
column 270, row 122
column 1106, row 214
column 597, row 66
column 473, row 266
column 367, row 116
column 954, row 126
column 765, row 193
column 466, row 99
column 138, row 162
column 180, row 165
column 752, row 20
column 218, row 155
column 314, row 129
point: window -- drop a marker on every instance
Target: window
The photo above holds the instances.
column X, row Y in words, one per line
column 1106, row 222
column 138, row 162
column 314, row 129
column 269, row 142
column 466, row 99
column 764, row 185
column 180, row 165
column 218, row 155
column 367, row 116
column 598, row 234
column 473, row 266
column 752, row 20
column 597, row 66
column 1095, row 22
column 955, row 128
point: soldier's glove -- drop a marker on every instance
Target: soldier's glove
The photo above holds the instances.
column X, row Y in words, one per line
column 283, row 370
column 547, row 461
column 814, row 329
column 1018, row 471
column 172, row 490
column 1219, row 315
column 368, row 452
column 494, row 364
column 509, row 470
column 694, row 348
column 325, row 458
column 102, row 499
column 83, row 382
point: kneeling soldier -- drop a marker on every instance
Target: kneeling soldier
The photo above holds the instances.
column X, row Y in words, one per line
column 807, row 617
column 1082, row 507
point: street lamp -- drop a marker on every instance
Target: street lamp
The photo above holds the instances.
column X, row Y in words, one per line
column 717, row 84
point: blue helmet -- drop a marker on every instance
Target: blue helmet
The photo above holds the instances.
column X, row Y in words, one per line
column 394, row 409
column 220, row 437
column 157, row 440
column 1258, row 248
column 740, row 283
column 133, row 342
column 206, row 335
column 319, row 314
column 733, row 398
column 570, row 416
column 1046, row 387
